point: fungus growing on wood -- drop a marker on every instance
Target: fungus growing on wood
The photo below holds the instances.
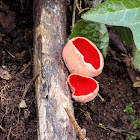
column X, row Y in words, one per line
column 83, row 57
column 83, row 88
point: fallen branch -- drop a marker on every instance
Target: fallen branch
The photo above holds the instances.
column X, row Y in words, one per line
column 51, row 85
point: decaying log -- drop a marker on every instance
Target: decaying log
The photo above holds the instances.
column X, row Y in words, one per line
column 51, row 86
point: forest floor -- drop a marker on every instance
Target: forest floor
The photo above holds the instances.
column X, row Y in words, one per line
column 102, row 120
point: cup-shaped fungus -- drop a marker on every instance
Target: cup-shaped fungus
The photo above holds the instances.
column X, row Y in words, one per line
column 83, row 88
column 83, row 57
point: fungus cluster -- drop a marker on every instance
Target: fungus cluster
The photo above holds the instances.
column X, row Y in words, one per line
column 84, row 61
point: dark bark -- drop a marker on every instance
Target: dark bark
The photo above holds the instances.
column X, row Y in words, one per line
column 51, row 86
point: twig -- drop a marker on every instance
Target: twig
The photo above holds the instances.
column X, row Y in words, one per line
column 73, row 13
column 11, row 54
column 79, row 7
column 25, row 67
column 102, row 99
column 87, row 114
column 3, row 129
column 75, row 124
column 9, row 133
column 28, row 86
column 117, row 130
column 84, row 10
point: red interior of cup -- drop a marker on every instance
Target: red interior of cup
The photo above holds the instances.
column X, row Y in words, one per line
column 82, row 85
column 89, row 52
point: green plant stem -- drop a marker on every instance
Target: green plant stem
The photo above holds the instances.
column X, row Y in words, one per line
column 118, row 130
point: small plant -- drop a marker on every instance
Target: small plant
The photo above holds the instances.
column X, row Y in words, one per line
column 100, row 124
column 136, row 123
column 130, row 111
column 131, row 137
column 91, row 105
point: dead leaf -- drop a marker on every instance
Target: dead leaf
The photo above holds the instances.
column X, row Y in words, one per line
column 4, row 74
column 20, row 55
column 22, row 104
column 136, row 84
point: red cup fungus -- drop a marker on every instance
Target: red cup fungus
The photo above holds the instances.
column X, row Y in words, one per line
column 83, row 57
column 83, row 88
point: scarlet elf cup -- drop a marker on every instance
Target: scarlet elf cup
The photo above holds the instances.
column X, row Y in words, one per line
column 84, row 60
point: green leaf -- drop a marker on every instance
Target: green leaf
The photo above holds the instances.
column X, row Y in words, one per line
column 125, row 34
column 136, row 123
column 131, row 137
column 129, row 110
column 137, row 59
column 95, row 32
column 119, row 13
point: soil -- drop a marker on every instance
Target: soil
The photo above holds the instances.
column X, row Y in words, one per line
column 117, row 89
column 16, row 58
column 16, row 54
